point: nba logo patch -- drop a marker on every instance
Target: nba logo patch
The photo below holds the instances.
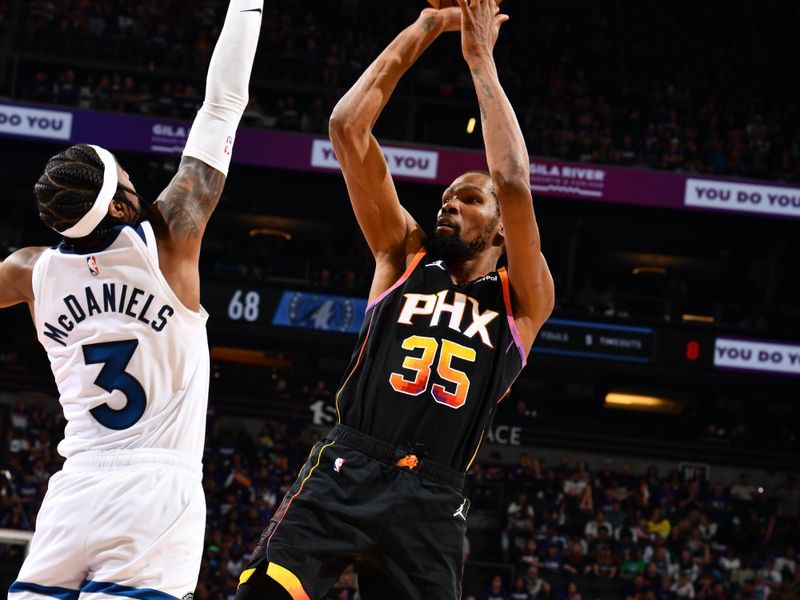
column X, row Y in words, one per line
column 337, row 465
column 229, row 145
column 94, row 268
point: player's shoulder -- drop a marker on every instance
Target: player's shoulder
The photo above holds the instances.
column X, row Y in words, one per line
column 16, row 275
column 24, row 259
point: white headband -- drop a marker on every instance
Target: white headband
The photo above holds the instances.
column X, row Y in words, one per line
column 97, row 213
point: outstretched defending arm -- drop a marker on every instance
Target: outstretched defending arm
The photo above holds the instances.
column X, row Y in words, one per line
column 392, row 234
column 185, row 206
column 509, row 165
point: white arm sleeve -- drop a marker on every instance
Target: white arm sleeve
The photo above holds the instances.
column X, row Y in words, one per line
column 214, row 129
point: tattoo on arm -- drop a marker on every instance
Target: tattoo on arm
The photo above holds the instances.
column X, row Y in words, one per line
column 429, row 23
column 191, row 197
column 484, row 86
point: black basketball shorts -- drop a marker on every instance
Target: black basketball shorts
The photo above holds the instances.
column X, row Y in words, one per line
column 358, row 500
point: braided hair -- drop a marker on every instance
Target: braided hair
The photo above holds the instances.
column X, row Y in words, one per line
column 67, row 190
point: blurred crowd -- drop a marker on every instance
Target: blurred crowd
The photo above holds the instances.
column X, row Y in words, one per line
column 570, row 532
column 566, row 532
column 606, row 83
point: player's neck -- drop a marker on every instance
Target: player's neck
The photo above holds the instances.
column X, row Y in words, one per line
column 462, row 272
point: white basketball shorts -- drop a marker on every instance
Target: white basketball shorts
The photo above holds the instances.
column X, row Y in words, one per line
column 117, row 524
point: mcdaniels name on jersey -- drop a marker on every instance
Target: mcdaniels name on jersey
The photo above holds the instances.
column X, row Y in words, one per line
column 108, row 298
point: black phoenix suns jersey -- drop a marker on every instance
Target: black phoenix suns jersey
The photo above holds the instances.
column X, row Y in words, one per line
column 432, row 362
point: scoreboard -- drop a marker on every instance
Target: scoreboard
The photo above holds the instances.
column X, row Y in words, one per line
column 261, row 308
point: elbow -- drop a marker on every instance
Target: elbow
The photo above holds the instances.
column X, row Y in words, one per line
column 343, row 128
column 338, row 126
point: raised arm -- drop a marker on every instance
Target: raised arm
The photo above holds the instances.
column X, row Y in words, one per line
column 180, row 216
column 392, row 234
column 509, row 165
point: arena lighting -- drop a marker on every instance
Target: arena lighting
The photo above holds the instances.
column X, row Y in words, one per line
column 697, row 318
column 471, row 125
column 271, row 232
column 649, row 270
column 641, row 402
column 249, row 357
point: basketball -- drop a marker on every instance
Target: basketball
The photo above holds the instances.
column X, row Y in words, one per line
column 448, row 3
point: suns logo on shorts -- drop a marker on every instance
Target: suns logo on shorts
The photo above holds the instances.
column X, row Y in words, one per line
column 94, row 268
column 338, row 464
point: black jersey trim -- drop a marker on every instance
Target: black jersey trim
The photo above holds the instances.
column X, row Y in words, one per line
column 355, row 368
column 103, row 243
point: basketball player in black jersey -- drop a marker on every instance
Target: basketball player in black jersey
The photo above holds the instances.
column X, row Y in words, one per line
column 445, row 335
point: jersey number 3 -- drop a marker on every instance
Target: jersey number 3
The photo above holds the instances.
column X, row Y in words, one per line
column 422, row 367
column 115, row 356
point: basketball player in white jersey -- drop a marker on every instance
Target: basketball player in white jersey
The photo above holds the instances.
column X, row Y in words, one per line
column 117, row 308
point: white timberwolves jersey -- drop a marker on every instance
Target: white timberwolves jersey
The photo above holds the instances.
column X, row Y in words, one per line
column 130, row 361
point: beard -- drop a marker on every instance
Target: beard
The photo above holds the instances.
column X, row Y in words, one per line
column 454, row 249
column 138, row 213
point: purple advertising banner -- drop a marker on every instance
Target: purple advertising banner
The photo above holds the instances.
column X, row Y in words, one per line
column 296, row 151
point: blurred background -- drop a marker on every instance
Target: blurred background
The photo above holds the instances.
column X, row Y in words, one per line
column 649, row 449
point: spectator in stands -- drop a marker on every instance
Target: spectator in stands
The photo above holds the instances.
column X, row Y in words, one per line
column 632, row 565
column 663, row 562
column 496, row 590
column 717, row 501
column 636, row 588
column 664, row 591
column 743, row 491
column 615, row 516
column 592, row 528
column 575, row 560
column 787, row 563
column 537, row 587
column 657, row 524
column 519, row 527
column 683, row 587
column 572, row 592
column 492, row 469
column 651, row 575
column 520, row 590
column 691, row 498
column 687, row 567
column 552, row 563
column 531, row 557
column 602, row 562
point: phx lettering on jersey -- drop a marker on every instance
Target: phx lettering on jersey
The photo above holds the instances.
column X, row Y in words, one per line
column 436, row 305
column 112, row 298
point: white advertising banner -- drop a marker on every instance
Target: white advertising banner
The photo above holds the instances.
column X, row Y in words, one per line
column 35, row 122
column 743, row 197
column 422, row 164
column 754, row 355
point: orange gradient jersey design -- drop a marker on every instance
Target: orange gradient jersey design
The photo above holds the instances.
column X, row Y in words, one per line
column 421, row 366
column 451, row 350
column 432, row 362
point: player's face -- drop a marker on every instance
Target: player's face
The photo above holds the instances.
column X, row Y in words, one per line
column 134, row 209
column 469, row 219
